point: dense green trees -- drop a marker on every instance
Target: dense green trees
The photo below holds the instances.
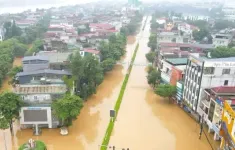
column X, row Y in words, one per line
column 88, row 74
column 9, row 49
column 222, row 24
column 67, row 108
column 10, row 104
column 132, row 27
column 151, row 56
column 153, row 77
column 108, row 64
column 222, row 52
column 166, row 90
column 152, row 42
column 11, row 30
column 37, row 46
column 201, row 34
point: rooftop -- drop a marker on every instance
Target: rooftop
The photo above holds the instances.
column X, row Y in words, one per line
column 177, row 61
column 28, row 58
column 224, row 89
column 101, row 25
column 45, row 71
column 90, row 50
column 54, row 56
column 40, row 89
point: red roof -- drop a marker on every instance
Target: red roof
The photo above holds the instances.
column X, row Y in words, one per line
column 224, row 89
column 101, row 25
column 90, row 50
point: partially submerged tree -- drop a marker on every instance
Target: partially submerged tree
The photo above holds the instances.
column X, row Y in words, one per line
column 67, row 109
column 152, row 42
column 10, row 104
column 108, row 64
column 166, row 90
column 154, row 77
column 151, row 56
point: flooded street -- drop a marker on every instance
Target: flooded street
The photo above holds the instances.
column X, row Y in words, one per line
column 148, row 122
column 145, row 121
column 88, row 130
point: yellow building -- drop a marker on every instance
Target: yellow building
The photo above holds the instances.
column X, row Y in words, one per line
column 227, row 130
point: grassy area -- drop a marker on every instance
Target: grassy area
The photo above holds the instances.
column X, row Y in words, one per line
column 39, row 146
column 118, row 103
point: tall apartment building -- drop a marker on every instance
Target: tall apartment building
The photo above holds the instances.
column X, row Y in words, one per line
column 204, row 73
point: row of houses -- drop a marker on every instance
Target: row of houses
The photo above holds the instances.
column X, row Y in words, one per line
column 41, row 81
column 203, row 84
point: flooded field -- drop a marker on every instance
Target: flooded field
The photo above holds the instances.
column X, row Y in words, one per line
column 148, row 122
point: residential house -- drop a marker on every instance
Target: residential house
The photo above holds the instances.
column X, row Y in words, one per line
column 100, row 27
column 212, row 106
column 229, row 12
column 174, row 37
column 222, row 39
column 90, row 51
column 227, row 130
column 38, row 87
column 202, row 73
column 57, row 60
column 25, row 23
column 172, row 72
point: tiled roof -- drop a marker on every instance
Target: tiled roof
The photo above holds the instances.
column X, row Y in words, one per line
column 224, row 89
column 93, row 51
column 101, row 25
column 177, row 61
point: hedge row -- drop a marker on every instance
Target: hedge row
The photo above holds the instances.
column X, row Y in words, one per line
column 118, row 103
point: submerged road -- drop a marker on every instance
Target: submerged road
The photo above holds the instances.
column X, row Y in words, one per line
column 147, row 122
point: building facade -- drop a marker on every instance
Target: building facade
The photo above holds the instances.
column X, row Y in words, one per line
column 204, row 73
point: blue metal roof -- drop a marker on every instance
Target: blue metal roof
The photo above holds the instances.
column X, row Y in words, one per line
column 47, row 71
column 27, row 58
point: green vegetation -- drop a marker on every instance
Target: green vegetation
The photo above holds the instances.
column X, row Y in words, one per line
column 153, row 77
column 201, row 34
column 132, row 27
column 118, row 103
column 37, row 46
column 10, row 107
column 83, row 30
column 9, row 49
column 151, row 56
column 39, row 146
column 108, row 64
column 67, row 108
column 152, row 42
column 166, row 90
column 222, row 52
column 223, row 24
column 11, row 29
column 201, row 24
column 88, row 74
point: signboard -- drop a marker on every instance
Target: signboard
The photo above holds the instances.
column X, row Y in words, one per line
column 220, row 64
column 227, row 115
column 112, row 113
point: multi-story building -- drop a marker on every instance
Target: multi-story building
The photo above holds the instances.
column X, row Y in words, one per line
column 202, row 73
column 229, row 11
column 222, row 40
column 212, row 106
column 227, row 130
column 39, row 86
column 173, row 37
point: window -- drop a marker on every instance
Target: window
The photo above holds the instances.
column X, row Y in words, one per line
column 225, row 82
column 209, row 70
column 226, row 71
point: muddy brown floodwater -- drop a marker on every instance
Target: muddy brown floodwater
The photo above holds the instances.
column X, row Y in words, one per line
column 148, row 122
column 88, row 130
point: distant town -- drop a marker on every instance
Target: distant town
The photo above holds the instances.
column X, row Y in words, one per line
column 122, row 75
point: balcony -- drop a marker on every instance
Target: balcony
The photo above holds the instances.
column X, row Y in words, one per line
column 206, row 103
column 165, row 77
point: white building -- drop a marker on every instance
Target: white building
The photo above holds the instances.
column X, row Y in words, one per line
column 195, row 17
column 168, row 37
column 222, row 40
column 204, row 73
column 229, row 11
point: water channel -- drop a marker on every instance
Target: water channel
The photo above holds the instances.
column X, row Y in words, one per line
column 145, row 121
